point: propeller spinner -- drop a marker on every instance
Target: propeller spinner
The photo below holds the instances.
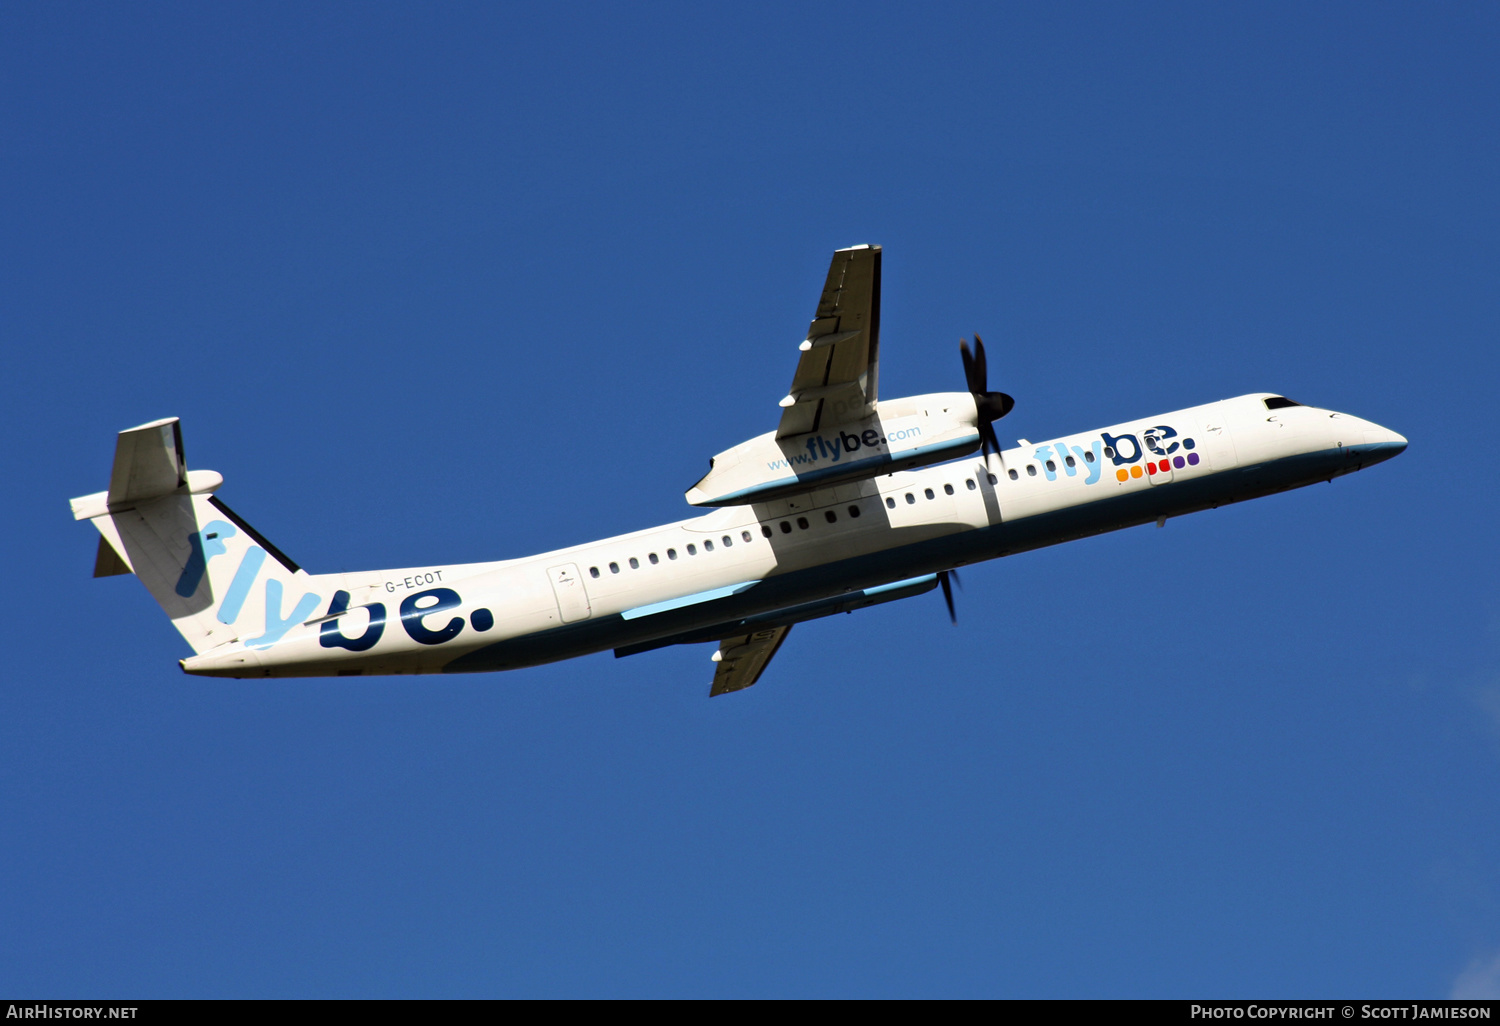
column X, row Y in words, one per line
column 991, row 405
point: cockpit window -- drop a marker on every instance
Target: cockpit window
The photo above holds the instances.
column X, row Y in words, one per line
column 1280, row 402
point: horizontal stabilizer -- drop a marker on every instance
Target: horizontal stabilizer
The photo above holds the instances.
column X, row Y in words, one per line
column 148, row 462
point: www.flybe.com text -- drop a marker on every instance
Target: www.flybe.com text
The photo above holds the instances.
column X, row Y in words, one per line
column 832, row 450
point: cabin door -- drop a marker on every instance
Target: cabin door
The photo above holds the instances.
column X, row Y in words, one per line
column 1159, row 461
column 1158, row 468
column 572, row 597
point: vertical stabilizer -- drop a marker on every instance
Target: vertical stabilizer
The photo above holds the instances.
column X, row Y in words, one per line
column 217, row 578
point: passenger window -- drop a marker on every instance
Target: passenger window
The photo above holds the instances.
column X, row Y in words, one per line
column 928, row 492
column 830, row 516
column 1088, row 457
column 765, row 529
column 970, row 482
column 996, row 480
column 746, row 535
column 728, row 541
column 614, row 568
column 802, row 523
column 593, row 571
column 1109, row 451
column 947, row 489
column 911, row 500
column 890, row 503
column 635, row 564
column 653, row 559
column 1031, row 470
column 708, row 545
column 1014, row 476
column 1051, row 467
column 854, row 511
column 692, row 549
column 1071, row 462
column 671, row 553
column 786, row 528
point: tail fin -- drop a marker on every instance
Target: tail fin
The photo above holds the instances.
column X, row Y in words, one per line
column 198, row 559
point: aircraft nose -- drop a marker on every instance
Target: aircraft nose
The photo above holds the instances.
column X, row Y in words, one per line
column 1381, row 444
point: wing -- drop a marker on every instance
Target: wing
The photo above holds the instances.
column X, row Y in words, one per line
column 741, row 659
column 837, row 374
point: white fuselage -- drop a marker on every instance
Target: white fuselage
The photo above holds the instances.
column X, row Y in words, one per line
column 806, row 555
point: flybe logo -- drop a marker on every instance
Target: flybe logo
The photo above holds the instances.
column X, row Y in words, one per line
column 415, row 609
column 1159, row 447
column 1162, row 448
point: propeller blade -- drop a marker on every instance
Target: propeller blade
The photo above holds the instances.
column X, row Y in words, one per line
column 988, row 443
column 988, row 406
column 948, row 593
column 968, row 358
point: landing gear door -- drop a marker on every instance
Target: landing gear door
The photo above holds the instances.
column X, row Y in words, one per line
column 572, row 597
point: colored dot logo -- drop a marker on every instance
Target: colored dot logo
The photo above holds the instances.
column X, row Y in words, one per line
column 1164, row 465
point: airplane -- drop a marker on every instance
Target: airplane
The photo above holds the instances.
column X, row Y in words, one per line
column 850, row 502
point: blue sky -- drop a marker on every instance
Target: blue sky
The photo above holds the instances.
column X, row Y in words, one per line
column 476, row 282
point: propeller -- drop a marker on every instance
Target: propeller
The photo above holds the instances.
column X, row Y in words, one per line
column 948, row 578
column 991, row 405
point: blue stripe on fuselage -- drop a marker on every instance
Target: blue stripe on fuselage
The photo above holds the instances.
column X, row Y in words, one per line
column 687, row 600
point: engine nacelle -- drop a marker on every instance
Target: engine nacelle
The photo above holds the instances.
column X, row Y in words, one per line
column 900, row 434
